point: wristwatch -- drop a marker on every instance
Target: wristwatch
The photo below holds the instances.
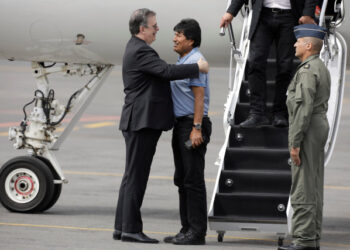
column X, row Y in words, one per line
column 197, row 126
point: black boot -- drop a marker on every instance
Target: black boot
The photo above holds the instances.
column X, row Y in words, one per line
column 190, row 238
column 280, row 121
column 255, row 120
column 181, row 234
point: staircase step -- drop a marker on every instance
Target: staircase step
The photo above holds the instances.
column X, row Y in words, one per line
column 264, row 136
column 245, row 93
column 271, row 68
column 256, row 181
column 253, row 158
column 242, row 112
column 261, row 205
column 248, row 219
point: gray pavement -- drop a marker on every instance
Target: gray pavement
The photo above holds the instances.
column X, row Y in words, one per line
column 93, row 160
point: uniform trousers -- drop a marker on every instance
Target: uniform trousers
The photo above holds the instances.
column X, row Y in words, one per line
column 307, row 185
column 189, row 175
column 278, row 28
column 140, row 149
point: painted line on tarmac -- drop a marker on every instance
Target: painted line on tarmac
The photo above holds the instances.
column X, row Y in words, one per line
column 54, row 226
column 100, row 125
column 152, row 232
column 60, row 129
column 87, row 118
column 337, row 187
column 155, row 177
column 120, row 175
column 104, row 121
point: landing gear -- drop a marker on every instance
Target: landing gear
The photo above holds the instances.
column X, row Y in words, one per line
column 57, row 186
column 27, row 185
column 33, row 183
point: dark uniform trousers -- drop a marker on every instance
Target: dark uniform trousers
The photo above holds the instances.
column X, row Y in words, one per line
column 189, row 175
column 277, row 27
column 140, row 149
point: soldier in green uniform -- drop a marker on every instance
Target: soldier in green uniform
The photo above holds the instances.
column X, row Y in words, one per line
column 307, row 103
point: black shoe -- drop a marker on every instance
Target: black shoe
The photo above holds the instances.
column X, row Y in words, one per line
column 280, row 121
column 117, row 234
column 137, row 237
column 295, row 247
column 170, row 239
column 189, row 238
column 255, row 120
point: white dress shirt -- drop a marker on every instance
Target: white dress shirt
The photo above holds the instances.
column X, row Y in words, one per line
column 280, row 4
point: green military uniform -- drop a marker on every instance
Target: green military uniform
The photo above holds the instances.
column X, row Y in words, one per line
column 307, row 104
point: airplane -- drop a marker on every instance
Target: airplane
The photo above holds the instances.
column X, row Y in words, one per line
column 87, row 38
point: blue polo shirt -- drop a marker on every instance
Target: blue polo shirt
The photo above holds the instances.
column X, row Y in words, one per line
column 181, row 91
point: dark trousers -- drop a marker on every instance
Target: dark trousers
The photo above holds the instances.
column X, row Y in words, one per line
column 278, row 28
column 140, row 148
column 189, row 175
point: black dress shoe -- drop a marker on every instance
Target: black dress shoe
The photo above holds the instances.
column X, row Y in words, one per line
column 117, row 234
column 295, row 247
column 189, row 238
column 280, row 121
column 170, row 239
column 255, row 120
column 137, row 237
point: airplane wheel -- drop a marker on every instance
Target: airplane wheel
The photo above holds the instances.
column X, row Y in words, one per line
column 56, row 195
column 57, row 187
column 26, row 185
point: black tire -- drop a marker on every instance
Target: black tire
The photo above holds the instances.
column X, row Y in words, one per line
column 57, row 187
column 20, row 174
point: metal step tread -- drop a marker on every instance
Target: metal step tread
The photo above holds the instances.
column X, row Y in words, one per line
column 273, row 60
column 254, row 195
column 258, row 172
column 268, row 82
column 250, row 149
column 247, row 219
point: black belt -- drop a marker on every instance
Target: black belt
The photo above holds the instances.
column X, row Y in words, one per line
column 188, row 117
column 277, row 11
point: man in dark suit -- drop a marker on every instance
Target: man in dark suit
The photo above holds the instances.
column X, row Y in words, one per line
column 272, row 20
column 147, row 111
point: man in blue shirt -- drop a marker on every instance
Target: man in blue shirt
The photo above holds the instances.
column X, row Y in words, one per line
column 191, row 135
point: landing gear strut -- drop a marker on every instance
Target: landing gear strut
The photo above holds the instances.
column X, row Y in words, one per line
column 34, row 183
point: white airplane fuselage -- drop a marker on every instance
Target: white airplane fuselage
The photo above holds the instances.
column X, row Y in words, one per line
column 46, row 30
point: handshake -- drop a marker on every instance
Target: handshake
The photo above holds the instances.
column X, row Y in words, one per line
column 203, row 66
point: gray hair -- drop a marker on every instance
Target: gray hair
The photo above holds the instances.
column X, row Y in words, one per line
column 316, row 43
column 139, row 18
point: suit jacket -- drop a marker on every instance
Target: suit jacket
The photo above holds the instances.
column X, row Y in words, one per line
column 148, row 102
column 299, row 8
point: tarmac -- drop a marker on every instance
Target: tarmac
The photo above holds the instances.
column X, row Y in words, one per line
column 93, row 159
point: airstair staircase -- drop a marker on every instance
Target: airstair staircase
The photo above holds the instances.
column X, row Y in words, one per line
column 253, row 182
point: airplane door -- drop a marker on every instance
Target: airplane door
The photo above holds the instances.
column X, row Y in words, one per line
column 334, row 55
